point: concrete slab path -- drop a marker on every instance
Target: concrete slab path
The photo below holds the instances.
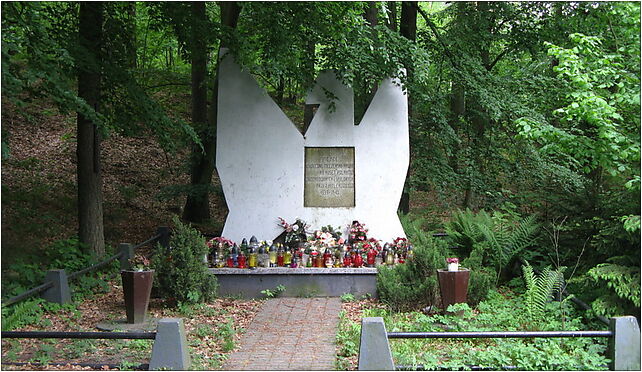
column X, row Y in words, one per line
column 290, row 334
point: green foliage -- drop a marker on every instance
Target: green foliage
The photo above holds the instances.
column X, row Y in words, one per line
column 590, row 134
column 347, row 340
column 499, row 237
column 623, row 281
column 68, row 254
column 347, row 297
column 269, row 293
column 21, row 314
column 413, row 284
column 499, row 312
column 181, row 275
column 540, row 288
column 226, row 334
column 488, row 244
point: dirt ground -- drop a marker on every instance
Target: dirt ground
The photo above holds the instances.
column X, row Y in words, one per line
column 213, row 332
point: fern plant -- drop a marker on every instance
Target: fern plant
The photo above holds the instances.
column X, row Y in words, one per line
column 540, row 288
column 494, row 237
column 21, row 314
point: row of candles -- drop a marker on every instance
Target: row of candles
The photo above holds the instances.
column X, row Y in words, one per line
column 255, row 254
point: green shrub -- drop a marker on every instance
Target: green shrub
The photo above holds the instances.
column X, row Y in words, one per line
column 413, row 285
column 181, row 275
column 501, row 311
column 488, row 244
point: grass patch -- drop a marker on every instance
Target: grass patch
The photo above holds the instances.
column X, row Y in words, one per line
column 502, row 311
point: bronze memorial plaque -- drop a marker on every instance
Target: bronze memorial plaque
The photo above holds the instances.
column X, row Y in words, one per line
column 329, row 177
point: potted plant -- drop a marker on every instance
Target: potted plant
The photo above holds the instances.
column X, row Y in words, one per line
column 137, row 287
column 453, row 283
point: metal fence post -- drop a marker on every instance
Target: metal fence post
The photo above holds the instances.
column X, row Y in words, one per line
column 624, row 346
column 374, row 350
column 163, row 231
column 170, row 346
column 60, row 292
column 127, row 253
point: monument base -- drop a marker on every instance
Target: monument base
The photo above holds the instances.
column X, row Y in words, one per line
column 299, row 282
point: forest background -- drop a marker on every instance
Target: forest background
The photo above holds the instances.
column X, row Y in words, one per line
column 526, row 108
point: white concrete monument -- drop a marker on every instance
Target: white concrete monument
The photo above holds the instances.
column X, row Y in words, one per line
column 336, row 173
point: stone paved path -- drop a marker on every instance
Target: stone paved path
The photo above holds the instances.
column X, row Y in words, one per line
column 290, row 334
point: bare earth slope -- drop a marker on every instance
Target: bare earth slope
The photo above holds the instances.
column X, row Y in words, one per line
column 39, row 183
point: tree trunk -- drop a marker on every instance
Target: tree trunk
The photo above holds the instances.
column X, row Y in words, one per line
column 408, row 29
column 280, row 90
column 131, row 34
column 197, row 205
column 392, row 14
column 90, row 197
column 202, row 162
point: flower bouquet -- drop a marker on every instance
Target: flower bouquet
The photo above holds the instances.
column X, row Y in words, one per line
column 358, row 232
column 294, row 233
column 453, row 263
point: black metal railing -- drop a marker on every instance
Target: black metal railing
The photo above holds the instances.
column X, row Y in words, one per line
column 623, row 335
column 526, row 334
column 162, row 237
column 83, row 335
column 170, row 349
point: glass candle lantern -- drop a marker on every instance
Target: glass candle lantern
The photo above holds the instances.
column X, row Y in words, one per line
column 280, row 256
column 410, row 253
column 287, row 256
column 273, row 254
column 370, row 257
column 263, row 258
column 390, row 257
column 329, row 260
column 347, row 260
column 384, row 253
column 320, row 262
column 212, row 258
column 358, row 259
column 252, row 261
column 313, row 258
column 242, row 260
column 337, row 257
column 220, row 253
column 235, row 255
column 327, row 256
column 243, row 246
column 379, row 259
column 305, row 257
